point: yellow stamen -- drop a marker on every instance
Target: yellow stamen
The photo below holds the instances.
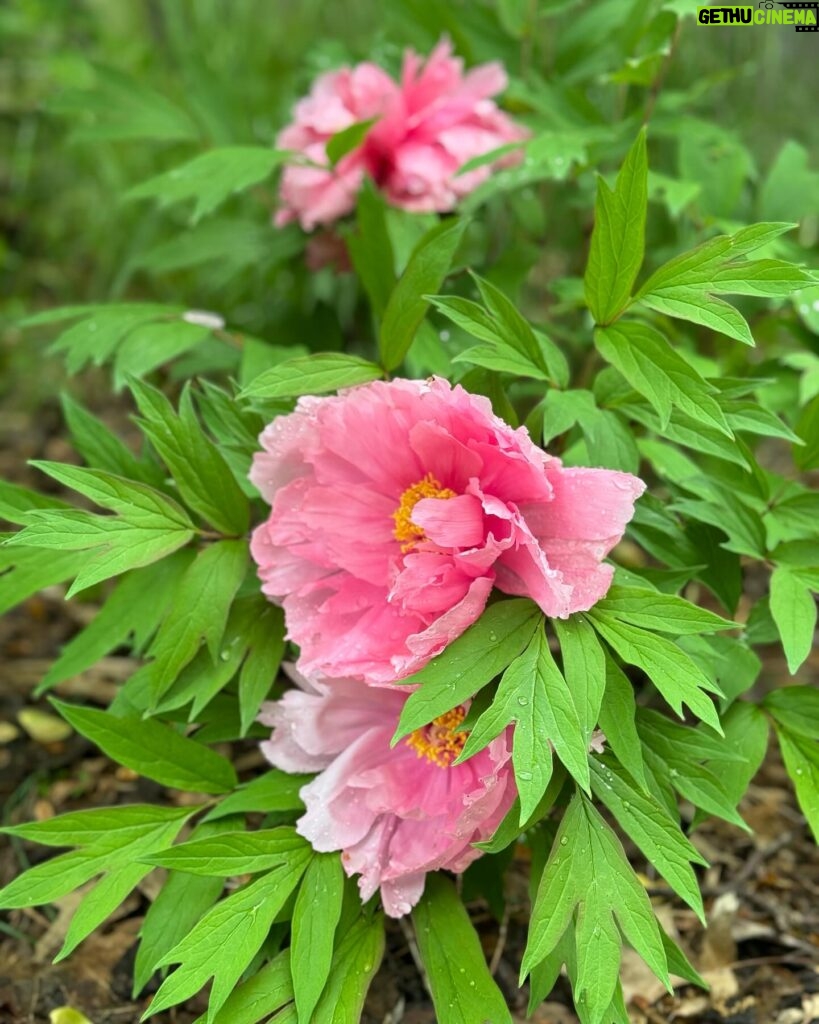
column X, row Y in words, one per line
column 406, row 531
column 438, row 742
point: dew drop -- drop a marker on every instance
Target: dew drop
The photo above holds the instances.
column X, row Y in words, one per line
column 523, row 701
column 224, row 655
column 525, row 776
column 563, row 841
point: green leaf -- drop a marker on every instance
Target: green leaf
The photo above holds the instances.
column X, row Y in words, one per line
column 312, row 375
column 25, row 571
column 179, row 904
column 692, row 780
column 428, row 265
column 151, row 345
column 355, row 963
column 105, row 828
column 265, row 638
column 794, row 611
column 236, row 927
column 674, row 674
column 199, row 611
column 107, row 895
column 653, row 368
column 588, row 870
column 315, row 916
column 700, row 308
column 103, row 450
column 263, row 993
column 584, row 668
column 664, row 613
column 533, row 694
column 152, row 749
column 148, row 526
column 646, row 822
column 55, row 877
column 468, row 663
column 801, row 757
column 232, row 853
column 348, row 139
column 463, row 991
column 370, row 248
column 122, row 107
column 134, row 608
column 618, row 720
column 795, row 707
column 273, row 791
column 210, row 178
column 96, row 337
column 618, row 239
column 203, row 477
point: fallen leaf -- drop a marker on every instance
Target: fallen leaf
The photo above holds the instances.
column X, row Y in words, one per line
column 43, row 727
column 67, row 1015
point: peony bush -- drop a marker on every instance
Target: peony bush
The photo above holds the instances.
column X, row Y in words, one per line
column 437, row 559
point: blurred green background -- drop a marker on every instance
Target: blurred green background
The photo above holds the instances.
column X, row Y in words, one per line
column 97, row 96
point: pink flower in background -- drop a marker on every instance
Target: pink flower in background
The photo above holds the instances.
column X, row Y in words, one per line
column 395, row 813
column 396, row 507
column 426, row 127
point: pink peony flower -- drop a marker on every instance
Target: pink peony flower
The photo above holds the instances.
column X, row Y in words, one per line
column 427, row 127
column 396, row 507
column 395, row 813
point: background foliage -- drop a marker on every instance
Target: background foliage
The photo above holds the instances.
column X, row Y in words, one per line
column 141, row 185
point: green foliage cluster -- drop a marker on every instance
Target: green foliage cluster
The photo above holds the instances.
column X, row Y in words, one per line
column 617, row 350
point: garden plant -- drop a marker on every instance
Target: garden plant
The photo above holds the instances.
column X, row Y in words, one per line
column 470, row 377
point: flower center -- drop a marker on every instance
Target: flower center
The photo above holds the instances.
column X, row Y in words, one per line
column 406, row 531
column 438, row 742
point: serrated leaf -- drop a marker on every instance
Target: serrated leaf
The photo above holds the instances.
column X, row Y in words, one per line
column 533, row 694
column 425, row 272
column 236, row 926
column 180, row 903
column 315, row 916
column 199, row 611
column 24, row 571
column 134, row 609
column 96, row 337
column 107, row 895
column 588, row 870
column 653, row 368
column 232, row 853
column 103, row 828
column 312, row 375
column 674, row 674
column 468, row 663
column 793, row 608
column 263, row 993
column 463, row 991
column 102, row 449
column 646, row 822
column 210, row 178
column 152, row 749
column 203, row 477
column 618, row 239
column 664, row 613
